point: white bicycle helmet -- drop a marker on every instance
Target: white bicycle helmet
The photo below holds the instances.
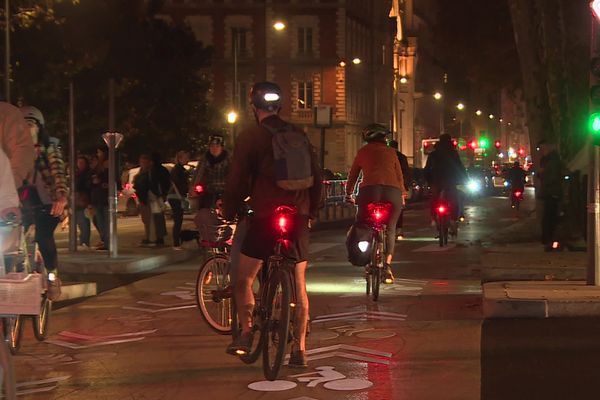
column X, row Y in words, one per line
column 33, row 113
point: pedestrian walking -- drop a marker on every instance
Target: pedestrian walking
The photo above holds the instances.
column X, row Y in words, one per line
column 178, row 194
column 141, row 184
column 99, row 198
column 83, row 199
column 211, row 173
column 550, row 174
column 160, row 184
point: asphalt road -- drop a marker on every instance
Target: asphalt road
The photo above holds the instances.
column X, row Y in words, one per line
column 424, row 338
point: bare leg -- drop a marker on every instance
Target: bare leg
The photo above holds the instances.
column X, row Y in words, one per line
column 301, row 317
column 246, row 273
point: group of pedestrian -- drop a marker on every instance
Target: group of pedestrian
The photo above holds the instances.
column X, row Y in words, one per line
column 91, row 198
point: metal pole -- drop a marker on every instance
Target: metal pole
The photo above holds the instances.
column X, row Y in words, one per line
column 322, row 148
column 460, row 132
column 112, row 182
column 593, row 276
column 7, row 50
column 73, row 170
column 235, row 69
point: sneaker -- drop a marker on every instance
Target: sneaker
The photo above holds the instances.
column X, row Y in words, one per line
column 241, row 345
column 85, row 247
column 388, row 275
column 298, row 360
column 53, row 288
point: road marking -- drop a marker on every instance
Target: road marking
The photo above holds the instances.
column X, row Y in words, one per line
column 272, row 386
column 74, row 346
column 348, row 384
column 149, row 303
column 376, row 335
column 150, row 310
column 434, row 248
column 39, row 386
column 347, row 351
column 361, row 315
column 363, row 332
column 74, row 335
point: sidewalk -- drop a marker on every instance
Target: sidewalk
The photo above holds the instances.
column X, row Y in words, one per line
column 82, row 270
column 521, row 280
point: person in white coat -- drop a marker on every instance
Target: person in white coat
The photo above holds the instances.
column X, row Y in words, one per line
column 9, row 202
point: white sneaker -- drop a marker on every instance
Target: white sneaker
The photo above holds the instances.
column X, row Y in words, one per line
column 177, row 248
column 53, row 290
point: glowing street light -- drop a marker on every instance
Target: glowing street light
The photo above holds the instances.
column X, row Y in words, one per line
column 403, row 80
column 342, row 63
column 437, row 95
column 478, row 112
column 279, row 25
column 232, row 117
column 356, row 60
column 460, row 106
column 491, row 116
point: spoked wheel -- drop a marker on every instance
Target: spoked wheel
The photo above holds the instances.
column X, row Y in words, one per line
column 277, row 326
column 213, row 294
column 8, row 389
column 41, row 322
column 13, row 331
column 257, row 343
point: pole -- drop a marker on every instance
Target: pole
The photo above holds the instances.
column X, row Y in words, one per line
column 593, row 276
column 235, row 69
column 112, row 182
column 322, row 148
column 72, row 169
column 7, row 50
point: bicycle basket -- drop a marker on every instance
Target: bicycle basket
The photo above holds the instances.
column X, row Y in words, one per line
column 20, row 294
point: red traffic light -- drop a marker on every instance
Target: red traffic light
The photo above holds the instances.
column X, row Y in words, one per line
column 521, row 151
column 497, row 144
column 473, row 144
column 454, row 142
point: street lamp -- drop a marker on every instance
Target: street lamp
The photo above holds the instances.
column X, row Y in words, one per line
column 491, row 116
column 478, row 112
column 403, row 80
column 356, row 60
column 232, row 117
column 342, row 63
column 460, row 106
column 279, row 25
column 437, row 96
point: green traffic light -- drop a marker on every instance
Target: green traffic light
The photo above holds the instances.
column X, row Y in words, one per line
column 594, row 123
column 483, row 143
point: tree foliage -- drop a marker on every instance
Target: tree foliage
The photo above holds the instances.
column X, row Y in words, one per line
column 161, row 102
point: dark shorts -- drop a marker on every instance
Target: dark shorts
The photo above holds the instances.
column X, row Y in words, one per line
column 262, row 235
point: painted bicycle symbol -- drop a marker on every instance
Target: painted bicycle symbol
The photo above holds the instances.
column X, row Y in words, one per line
column 325, row 375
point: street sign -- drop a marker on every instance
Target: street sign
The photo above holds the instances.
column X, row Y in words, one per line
column 322, row 116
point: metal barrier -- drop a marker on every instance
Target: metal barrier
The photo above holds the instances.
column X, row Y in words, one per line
column 334, row 191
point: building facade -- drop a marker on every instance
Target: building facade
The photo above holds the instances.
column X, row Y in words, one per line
column 330, row 52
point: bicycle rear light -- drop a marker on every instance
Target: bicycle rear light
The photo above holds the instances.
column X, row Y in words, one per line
column 441, row 209
column 379, row 212
column 518, row 194
column 283, row 218
column 199, row 189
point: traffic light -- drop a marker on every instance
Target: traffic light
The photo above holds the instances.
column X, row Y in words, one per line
column 454, row 142
column 594, row 124
column 497, row 144
column 521, row 152
column 473, row 144
column 484, row 143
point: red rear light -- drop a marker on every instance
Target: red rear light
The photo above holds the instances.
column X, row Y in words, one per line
column 441, row 209
column 379, row 212
column 283, row 223
column 199, row 189
column 283, row 218
column 518, row 194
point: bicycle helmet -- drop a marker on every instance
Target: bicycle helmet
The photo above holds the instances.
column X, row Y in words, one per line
column 33, row 114
column 266, row 96
column 375, row 132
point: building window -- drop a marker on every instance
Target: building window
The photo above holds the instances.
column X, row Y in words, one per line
column 305, row 95
column 240, row 34
column 305, row 41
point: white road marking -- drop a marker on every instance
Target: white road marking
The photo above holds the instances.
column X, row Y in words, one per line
column 32, row 385
column 157, row 310
column 348, row 384
column 434, row 248
column 74, row 335
column 272, row 386
column 96, row 344
column 361, row 315
column 317, row 247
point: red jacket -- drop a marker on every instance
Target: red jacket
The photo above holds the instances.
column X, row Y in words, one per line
column 379, row 165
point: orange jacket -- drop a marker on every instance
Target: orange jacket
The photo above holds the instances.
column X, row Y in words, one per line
column 379, row 165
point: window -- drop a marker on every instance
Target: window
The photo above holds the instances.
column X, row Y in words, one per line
column 305, row 95
column 305, row 41
column 242, row 43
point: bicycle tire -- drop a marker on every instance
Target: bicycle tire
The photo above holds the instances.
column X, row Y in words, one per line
column 13, row 332
column 276, row 327
column 214, row 275
column 257, row 345
column 42, row 321
column 8, row 390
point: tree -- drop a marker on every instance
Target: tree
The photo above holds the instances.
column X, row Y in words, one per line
column 161, row 102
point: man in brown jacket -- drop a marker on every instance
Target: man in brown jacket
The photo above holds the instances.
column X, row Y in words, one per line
column 16, row 142
column 252, row 174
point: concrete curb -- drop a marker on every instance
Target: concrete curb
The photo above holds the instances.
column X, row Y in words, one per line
column 82, row 263
column 545, row 299
column 71, row 291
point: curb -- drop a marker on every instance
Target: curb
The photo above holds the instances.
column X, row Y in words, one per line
column 124, row 264
column 71, row 291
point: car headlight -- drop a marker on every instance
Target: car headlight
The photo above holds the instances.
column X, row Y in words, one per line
column 473, row 186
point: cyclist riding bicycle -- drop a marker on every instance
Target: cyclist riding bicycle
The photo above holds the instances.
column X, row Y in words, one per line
column 382, row 181
column 444, row 171
column 252, row 175
column 45, row 197
column 516, row 177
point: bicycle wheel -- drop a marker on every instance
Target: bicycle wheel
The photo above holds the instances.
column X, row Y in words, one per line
column 7, row 374
column 236, row 329
column 277, row 323
column 375, row 282
column 41, row 322
column 211, row 297
column 13, row 331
